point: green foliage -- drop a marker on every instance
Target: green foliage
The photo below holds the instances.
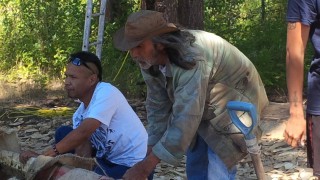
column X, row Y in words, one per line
column 39, row 34
column 121, row 71
column 261, row 37
column 36, row 37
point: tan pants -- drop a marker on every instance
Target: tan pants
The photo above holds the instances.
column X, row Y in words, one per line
column 313, row 143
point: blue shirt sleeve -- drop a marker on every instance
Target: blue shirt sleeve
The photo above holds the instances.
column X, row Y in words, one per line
column 304, row 11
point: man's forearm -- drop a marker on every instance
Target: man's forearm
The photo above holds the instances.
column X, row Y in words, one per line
column 150, row 163
column 142, row 169
column 295, row 81
column 71, row 141
column 78, row 136
column 297, row 38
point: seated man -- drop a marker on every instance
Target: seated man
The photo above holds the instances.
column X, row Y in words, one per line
column 104, row 121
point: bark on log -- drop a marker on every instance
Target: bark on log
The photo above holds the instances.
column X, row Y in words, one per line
column 67, row 166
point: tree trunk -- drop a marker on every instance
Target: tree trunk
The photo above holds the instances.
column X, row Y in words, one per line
column 147, row 4
column 169, row 8
column 263, row 10
column 191, row 14
column 109, row 11
column 185, row 13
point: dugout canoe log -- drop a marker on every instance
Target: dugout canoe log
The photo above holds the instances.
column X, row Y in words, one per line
column 62, row 167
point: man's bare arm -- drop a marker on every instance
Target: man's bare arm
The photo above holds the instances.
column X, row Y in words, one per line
column 297, row 38
column 76, row 137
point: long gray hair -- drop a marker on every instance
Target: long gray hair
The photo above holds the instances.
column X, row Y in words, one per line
column 179, row 48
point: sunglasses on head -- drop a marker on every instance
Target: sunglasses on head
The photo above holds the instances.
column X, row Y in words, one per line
column 78, row 62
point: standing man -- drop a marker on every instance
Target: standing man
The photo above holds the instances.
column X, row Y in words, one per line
column 304, row 22
column 104, row 121
column 190, row 77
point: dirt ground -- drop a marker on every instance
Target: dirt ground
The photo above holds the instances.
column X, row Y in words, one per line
column 279, row 160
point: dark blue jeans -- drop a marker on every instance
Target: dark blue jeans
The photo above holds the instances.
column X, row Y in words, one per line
column 112, row 170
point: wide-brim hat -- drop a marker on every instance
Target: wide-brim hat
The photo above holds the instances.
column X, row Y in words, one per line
column 140, row 26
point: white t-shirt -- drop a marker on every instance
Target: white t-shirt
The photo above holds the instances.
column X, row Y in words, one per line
column 121, row 137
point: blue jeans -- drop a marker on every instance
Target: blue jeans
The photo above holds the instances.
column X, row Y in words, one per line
column 204, row 164
column 112, row 170
column 62, row 132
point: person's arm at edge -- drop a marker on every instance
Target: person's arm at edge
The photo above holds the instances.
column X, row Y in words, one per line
column 76, row 137
column 297, row 38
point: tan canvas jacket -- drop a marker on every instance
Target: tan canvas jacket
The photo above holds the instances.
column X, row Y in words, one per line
column 185, row 102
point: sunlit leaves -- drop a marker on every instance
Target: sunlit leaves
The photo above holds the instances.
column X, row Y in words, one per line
column 257, row 28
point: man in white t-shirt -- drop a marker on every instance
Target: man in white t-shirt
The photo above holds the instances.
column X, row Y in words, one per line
column 104, row 123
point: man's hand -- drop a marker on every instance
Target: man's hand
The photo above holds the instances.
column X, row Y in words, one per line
column 295, row 132
column 26, row 155
column 142, row 169
column 49, row 152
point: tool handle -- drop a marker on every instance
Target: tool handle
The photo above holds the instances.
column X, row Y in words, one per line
column 258, row 166
column 233, row 106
